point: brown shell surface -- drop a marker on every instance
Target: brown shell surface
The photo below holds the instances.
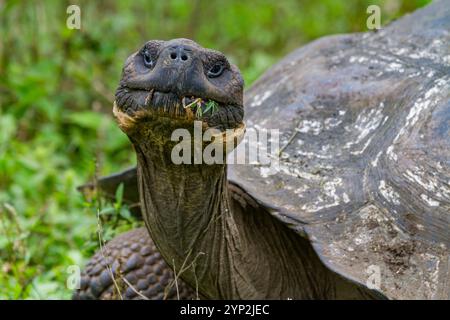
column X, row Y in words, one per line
column 364, row 171
column 134, row 257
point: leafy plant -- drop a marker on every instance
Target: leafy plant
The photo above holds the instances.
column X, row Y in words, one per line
column 210, row 105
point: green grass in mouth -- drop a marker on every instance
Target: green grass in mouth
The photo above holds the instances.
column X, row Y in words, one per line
column 210, row 105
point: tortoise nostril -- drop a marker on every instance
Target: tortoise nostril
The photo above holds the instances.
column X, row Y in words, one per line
column 178, row 54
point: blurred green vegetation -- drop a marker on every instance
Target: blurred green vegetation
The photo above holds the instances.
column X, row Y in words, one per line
column 56, row 91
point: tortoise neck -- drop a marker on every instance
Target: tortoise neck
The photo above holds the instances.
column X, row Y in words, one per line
column 225, row 248
column 182, row 206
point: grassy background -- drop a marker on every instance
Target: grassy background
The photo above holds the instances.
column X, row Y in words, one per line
column 56, row 91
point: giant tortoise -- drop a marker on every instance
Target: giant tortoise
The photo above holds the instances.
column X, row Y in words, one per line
column 354, row 202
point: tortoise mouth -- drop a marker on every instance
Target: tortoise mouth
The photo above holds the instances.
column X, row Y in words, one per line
column 140, row 104
column 139, row 123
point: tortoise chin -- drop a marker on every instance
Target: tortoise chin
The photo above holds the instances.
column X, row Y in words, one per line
column 180, row 80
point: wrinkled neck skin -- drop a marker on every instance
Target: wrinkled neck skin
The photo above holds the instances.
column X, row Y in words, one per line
column 183, row 206
column 220, row 247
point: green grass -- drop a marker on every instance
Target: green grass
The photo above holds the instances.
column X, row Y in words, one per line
column 56, row 92
column 210, row 106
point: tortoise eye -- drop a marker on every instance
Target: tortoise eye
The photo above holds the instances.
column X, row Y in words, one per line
column 216, row 70
column 148, row 62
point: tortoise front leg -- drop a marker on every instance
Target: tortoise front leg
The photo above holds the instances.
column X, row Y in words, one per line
column 130, row 267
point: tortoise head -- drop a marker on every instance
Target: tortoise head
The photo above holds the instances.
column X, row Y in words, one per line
column 170, row 84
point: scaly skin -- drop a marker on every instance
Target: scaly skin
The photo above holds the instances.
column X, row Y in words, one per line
column 140, row 264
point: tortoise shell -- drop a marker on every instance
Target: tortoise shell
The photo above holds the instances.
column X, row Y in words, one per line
column 364, row 168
